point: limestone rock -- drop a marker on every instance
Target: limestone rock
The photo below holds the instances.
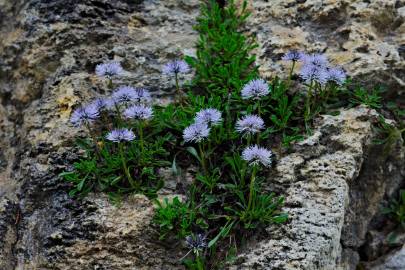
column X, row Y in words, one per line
column 394, row 261
column 365, row 37
column 48, row 50
column 332, row 191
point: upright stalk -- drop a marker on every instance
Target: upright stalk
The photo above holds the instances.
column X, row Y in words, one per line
column 200, row 264
column 202, row 157
column 125, row 167
column 94, row 138
column 308, row 103
column 259, row 110
column 110, row 83
column 117, row 108
column 140, row 131
column 177, row 87
column 290, row 75
column 252, row 186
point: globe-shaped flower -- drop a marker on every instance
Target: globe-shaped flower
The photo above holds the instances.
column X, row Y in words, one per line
column 250, row 124
column 101, row 103
column 142, row 95
column 109, row 69
column 293, row 56
column 125, row 94
column 85, row 115
column 209, row 116
column 196, row 132
column 256, row 155
column 318, row 60
column 310, row 72
column 197, row 242
column 336, row 75
column 175, row 67
column 120, row 135
column 139, row 112
column 255, row 89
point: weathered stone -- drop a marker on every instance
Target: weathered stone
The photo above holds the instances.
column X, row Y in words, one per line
column 321, row 199
column 334, row 181
column 365, row 37
column 393, row 261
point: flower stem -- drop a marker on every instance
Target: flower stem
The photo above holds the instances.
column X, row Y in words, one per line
column 200, row 265
column 178, row 92
column 290, row 75
column 125, row 167
column 110, row 83
column 119, row 116
column 252, row 187
column 259, row 111
column 308, row 103
column 94, row 138
column 202, row 158
column 140, row 131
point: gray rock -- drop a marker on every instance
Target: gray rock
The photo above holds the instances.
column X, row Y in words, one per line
column 393, row 261
column 325, row 208
column 334, row 181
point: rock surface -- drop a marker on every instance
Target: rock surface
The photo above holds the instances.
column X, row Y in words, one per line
column 394, row 261
column 333, row 184
column 48, row 52
column 365, row 37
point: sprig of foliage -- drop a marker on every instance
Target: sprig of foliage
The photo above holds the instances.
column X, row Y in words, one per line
column 396, row 209
column 371, row 99
column 223, row 63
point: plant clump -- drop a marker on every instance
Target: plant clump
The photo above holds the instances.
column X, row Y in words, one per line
column 224, row 125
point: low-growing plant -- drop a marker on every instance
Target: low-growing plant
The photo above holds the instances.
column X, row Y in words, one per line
column 223, row 128
column 396, row 209
column 371, row 99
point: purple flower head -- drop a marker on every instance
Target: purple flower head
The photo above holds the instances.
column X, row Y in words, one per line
column 101, row 103
column 256, row 155
column 293, row 56
column 198, row 241
column 142, row 95
column 110, row 103
column 120, row 135
column 311, row 72
column 337, row 75
column 139, row 112
column 209, row 116
column 85, row 115
column 125, row 94
column 109, row 69
column 175, row 67
column 318, row 60
column 255, row 89
column 249, row 124
column 196, row 132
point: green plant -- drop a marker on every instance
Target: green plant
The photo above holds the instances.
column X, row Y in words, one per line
column 371, row 99
column 228, row 156
column 396, row 209
column 389, row 134
column 175, row 216
column 223, row 63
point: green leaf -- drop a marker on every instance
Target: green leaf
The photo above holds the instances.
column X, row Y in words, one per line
column 224, row 232
column 192, row 151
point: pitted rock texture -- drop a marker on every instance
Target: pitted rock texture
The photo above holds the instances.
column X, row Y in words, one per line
column 365, row 37
column 48, row 51
column 333, row 183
